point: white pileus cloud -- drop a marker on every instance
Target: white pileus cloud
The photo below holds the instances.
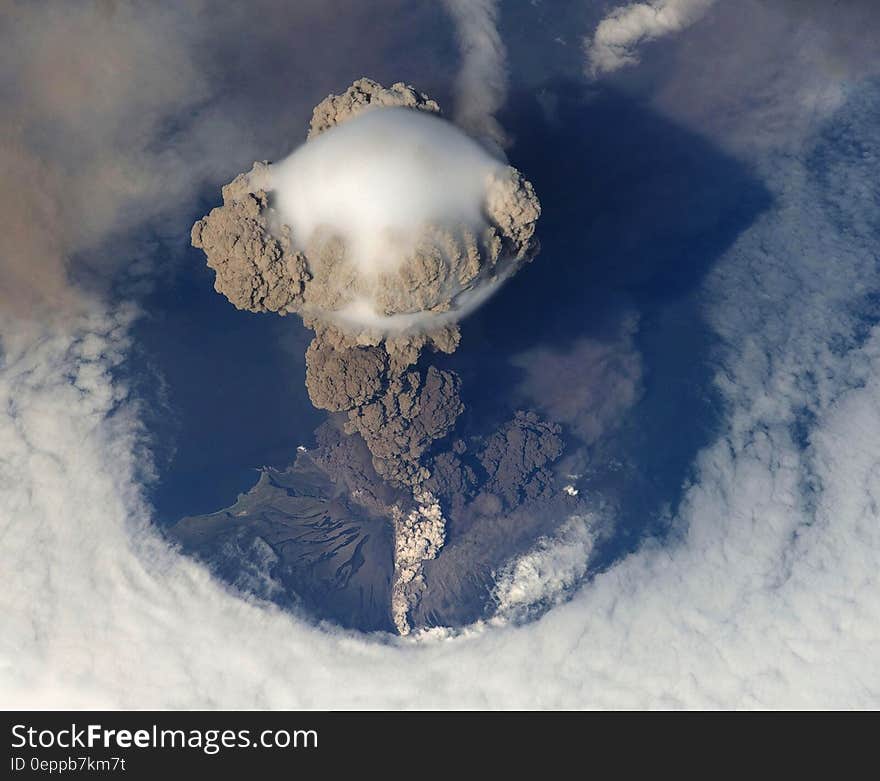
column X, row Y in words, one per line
column 379, row 179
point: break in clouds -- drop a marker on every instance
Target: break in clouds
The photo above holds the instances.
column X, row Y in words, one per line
column 765, row 592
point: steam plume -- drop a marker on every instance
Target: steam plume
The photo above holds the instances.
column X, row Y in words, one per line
column 618, row 36
column 481, row 88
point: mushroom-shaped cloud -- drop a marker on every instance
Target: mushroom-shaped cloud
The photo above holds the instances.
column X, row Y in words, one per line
column 391, row 222
column 384, row 229
column 381, row 231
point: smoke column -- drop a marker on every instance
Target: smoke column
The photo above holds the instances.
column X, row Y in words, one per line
column 481, row 87
column 384, row 229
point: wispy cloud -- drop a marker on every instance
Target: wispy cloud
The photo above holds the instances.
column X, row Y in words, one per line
column 619, row 35
column 481, row 86
column 588, row 386
column 73, row 172
column 760, row 75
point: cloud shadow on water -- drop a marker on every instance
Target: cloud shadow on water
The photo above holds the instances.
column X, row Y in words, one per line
column 636, row 211
column 228, row 391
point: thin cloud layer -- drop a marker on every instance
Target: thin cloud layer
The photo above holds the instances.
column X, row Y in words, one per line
column 116, row 113
column 789, row 62
column 589, row 386
column 62, row 104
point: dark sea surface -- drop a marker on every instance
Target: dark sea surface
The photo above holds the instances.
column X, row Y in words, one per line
column 229, row 393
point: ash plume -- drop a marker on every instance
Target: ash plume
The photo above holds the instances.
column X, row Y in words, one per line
column 382, row 231
column 481, row 87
